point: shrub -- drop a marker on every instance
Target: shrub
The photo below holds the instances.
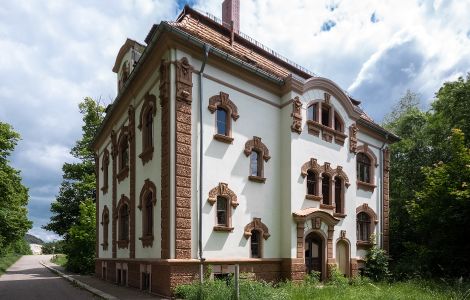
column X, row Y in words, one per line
column 376, row 266
column 337, row 278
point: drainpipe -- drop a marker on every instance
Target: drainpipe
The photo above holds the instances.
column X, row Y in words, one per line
column 381, row 157
column 206, row 50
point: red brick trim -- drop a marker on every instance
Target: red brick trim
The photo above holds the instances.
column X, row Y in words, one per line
column 105, row 169
column 368, row 186
column 257, row 145
column 165, row 158
column 353, row 138
column 123, row 201
column 296, row 116
column 319, row 170
column 373, row 221
column 114, row 152
column 256, row 224
column 104, row 223
column 132, row 158
column 184, row 75
column 97, row 204
column 149, row 186
column 149, row 106
column 123, row 138
column 386, row 199
column 222, row 100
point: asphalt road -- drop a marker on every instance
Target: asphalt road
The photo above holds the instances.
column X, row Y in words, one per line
column 28, row 279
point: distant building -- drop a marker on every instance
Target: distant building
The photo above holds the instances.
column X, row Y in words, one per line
column 290, row 174
column 36, row 249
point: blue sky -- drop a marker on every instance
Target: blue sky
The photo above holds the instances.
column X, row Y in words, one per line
column 55, row 53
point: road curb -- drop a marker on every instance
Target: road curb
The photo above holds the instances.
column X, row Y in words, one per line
column 85, row 286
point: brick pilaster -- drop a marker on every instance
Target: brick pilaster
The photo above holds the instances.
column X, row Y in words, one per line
column 114, row 152
column 165, row 159
column 386, row 199
column 183, row 149
column 132, row 156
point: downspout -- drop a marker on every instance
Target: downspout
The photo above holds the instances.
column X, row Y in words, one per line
column 381, row 199
column 206, row 50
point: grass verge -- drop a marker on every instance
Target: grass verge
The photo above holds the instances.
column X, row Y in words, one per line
column 59, row 259
column 7, row 260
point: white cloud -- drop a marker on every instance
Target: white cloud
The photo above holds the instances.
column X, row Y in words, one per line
column 54, row 53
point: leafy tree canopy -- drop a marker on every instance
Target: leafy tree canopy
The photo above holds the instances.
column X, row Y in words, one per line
column 14, row 197
column 78, row 182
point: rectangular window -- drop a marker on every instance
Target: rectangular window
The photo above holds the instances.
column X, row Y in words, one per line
column 221, row 211
column 325, row 116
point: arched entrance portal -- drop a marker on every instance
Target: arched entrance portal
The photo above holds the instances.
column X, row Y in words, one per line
column 314, row 253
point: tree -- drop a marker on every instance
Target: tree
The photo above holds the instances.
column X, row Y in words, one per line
column 14, row 197
column 441, row 211
column 78, row 183
column 80, row 244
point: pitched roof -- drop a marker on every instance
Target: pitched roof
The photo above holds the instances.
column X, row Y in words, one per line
column 210, row 30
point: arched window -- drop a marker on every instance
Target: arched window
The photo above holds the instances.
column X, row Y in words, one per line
column 339, row 195
column 148, row 130
column 148, row 228
column 255, row 244
column 311, row 183
column 363, row 167
column 124, row 222
column 255, row 169
column 221, row 120
column 226, row 111
column 222, row 211
column 325, row 189
column 363, row 227
column 123, row 153
column 105, row 169
column 105, row 224
column 312, row 112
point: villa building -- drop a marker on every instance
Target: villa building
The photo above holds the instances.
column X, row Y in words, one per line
column 219, row 151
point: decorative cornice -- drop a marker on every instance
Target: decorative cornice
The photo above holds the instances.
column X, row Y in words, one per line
column 256, row 144
column 256, row 224
column 223, row 101
column 222, row 190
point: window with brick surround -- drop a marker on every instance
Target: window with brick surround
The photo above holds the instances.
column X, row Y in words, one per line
column 312, row 183
column 363, row 227
column 146, row 125
column 105, row 224
column 225, row 111
column 255, row 244
column 258, row 154
column 363, row 167
column 124, row 222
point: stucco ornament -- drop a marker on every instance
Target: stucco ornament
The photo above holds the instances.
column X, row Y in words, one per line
column 223, row 101
column 296, row 115
column 353, row 138
column 256, row 224
column 222, row 190
column 256, row 144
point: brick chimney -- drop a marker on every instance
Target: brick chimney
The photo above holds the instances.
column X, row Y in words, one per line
column 231, row 13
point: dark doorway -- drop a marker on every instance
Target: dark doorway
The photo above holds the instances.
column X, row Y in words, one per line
column 314, row 253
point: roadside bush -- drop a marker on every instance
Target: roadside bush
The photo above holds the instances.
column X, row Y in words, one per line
column 47, row 248
column 337, row 278
column 376, row 266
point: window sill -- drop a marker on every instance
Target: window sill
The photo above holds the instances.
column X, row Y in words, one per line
column 339, row 215
column 223, row 228
column 328, row 133
column 366, row 186
column 123, row 173
column 147, row 240
column 146, row 155
column 223, row 138
column 313, row 197
column 123, row 244
column 363, row 244
column 257, row 179
column 327, row 206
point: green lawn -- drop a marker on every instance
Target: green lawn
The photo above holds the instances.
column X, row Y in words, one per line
column 59, row 259
column 414, row 289
column 7, row 260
